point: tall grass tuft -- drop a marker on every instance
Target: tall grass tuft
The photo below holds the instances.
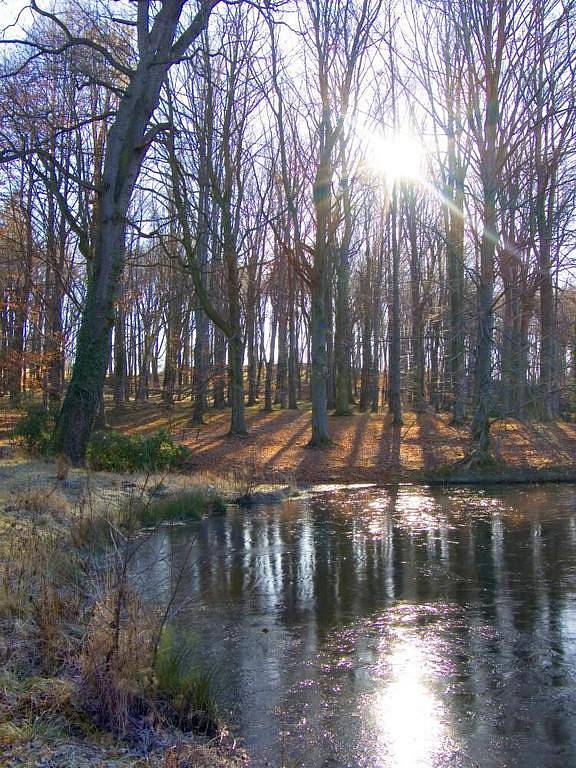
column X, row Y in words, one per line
column 180, row 507
column 185, row 687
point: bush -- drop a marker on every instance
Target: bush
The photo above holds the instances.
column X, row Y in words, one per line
column 34, row 429
column 115, row 452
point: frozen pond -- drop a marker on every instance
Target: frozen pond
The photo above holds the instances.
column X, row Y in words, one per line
column 370, row 627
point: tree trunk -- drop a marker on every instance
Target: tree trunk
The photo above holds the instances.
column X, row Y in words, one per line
column 395, row 376
column 125, row 150
column 120, row 356
column 343, row 346
column 270, row 362
column 293, row 346
column 483, row 401
column 417, row 321
column 318, row 301
column 320, row 434
column 366, row 383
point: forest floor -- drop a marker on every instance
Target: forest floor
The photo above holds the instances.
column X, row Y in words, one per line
column 366, row 447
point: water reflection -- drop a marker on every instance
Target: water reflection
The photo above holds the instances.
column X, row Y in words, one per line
column 409, row 721
column 364, row 627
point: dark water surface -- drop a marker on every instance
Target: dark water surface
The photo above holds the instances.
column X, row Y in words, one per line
column 365, row 627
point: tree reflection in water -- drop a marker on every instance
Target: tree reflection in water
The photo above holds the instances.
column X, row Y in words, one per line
column 407, row 627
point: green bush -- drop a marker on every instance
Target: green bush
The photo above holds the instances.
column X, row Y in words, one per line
column 115, row 452
column 34, row 429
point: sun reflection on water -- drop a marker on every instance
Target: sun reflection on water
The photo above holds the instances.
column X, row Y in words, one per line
column 409, row 718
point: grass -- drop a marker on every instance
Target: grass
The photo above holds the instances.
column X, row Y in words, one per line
column 181, row 507
column 183, row 685
column 80, row 655
column 94, row 532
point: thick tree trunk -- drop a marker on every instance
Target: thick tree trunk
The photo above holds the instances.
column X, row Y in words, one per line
column 84, row 395
column 480, row 430
column 318, row 300
column 236, row 360
column 125, row 150
column 320, row 433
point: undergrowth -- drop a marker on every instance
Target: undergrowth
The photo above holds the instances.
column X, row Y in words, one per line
column 112, row 451
column 34, row 429
column 180, row 507
column 78, row 649
column 94, row 531
column 185, row 687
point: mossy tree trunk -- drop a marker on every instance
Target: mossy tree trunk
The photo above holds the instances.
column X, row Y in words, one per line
column 128, row 140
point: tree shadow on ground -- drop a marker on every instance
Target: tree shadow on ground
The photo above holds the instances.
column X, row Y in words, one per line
column 388, row 457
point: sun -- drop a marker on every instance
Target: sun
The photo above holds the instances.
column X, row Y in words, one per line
column 396, row 157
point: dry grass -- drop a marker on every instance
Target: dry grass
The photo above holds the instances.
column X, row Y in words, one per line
column 115, row 661
column 76, row 646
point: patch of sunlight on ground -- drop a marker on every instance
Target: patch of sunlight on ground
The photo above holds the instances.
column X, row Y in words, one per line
column 411, row 454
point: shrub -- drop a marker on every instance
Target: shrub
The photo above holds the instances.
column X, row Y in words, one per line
column 115, row 452
column 34, row 429
column 115, row 658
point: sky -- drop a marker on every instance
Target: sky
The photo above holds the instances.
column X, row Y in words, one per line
column 9, row 10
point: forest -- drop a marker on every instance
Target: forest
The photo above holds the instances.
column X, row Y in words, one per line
column 350, row 203
column 287, row 383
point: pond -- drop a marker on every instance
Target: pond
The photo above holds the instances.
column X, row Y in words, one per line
column 362, row 627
